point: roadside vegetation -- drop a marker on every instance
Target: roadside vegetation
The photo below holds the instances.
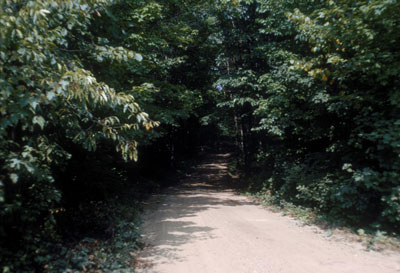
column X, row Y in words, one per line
column 102, row 99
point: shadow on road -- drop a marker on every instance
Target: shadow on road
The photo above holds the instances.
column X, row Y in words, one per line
column 171, row 219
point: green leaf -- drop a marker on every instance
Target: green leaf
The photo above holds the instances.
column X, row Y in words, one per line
column 39, row 120
column 138, row 57
column 14, row 177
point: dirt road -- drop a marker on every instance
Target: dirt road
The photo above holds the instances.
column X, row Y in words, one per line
column 200, row 226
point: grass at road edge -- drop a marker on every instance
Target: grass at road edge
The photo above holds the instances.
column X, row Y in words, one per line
column 372, row 239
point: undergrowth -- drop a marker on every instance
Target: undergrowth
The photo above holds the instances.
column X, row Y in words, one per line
column 371, row 236
column 112, row 252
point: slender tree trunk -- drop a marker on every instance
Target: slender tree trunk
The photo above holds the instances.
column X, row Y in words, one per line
column 242, row 140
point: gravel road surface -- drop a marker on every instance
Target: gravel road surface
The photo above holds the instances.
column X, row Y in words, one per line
column 201, row 226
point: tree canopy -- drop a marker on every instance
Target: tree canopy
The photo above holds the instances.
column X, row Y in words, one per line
column 97, row 95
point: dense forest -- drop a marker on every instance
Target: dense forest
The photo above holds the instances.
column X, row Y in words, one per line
column 102, row 99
